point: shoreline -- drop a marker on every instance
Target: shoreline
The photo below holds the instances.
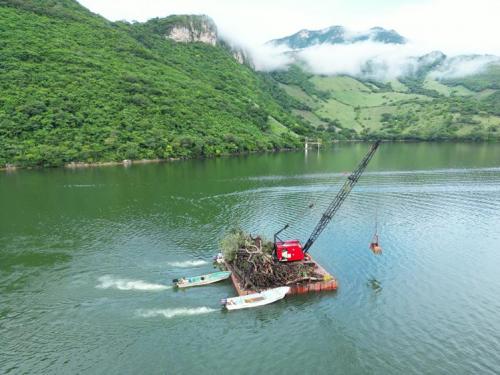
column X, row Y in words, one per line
column 127, row 163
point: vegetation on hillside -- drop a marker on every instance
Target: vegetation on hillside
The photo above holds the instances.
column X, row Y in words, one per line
column 489, row 79
column 295, row 75
column 75, row 87
column 414, row 108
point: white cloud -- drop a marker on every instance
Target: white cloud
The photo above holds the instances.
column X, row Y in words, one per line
column 374, row 60
column 268, row 58
column 452, row 26
column 389, row 60
column 252, row 22
column 464, row 66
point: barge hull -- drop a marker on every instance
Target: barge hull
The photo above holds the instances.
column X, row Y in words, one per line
column 328, row 283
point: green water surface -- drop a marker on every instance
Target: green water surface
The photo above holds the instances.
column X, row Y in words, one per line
column 87, row 258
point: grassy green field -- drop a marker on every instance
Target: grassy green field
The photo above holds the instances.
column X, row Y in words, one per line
column 445, row 90
column 339, row 84
column 277, row 128
column 417, row 109
column 299, row 94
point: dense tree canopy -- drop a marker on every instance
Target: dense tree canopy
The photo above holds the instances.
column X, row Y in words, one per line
column 75, row 87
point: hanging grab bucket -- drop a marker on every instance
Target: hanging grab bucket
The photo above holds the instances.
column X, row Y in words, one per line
column 374, row 245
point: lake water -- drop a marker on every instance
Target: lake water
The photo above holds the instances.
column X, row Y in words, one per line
column 87, row 257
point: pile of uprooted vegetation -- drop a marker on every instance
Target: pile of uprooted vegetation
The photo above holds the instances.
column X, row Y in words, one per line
column 251, row 258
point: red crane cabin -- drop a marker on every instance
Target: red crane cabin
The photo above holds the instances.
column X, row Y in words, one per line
column 289, row 251
column 292, row 250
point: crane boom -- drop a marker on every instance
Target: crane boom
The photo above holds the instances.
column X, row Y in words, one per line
column 341, row 197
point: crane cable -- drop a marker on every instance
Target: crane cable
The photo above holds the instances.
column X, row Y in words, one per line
column 375, row 244
column 314, row 202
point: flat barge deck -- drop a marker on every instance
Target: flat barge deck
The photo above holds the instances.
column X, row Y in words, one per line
column 327, row 284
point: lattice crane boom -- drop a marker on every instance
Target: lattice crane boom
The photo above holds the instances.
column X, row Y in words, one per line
column 341, row 197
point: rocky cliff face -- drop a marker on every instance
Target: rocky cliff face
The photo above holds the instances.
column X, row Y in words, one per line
column 240, row 56
column 239, row 53
column 194, row 29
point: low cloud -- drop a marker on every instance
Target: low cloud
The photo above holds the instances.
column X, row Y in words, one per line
column 368, row 59
column 264, row 57
column 268, row 58
column 454, row 27
column 462, row 66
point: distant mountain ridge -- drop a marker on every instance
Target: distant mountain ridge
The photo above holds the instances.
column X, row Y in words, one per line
column 338, row 35
column 299, row 48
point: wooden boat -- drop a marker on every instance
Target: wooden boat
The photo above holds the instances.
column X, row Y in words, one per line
column 257, row 299
column 186, row 282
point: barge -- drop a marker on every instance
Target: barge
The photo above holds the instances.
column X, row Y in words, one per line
column 329, row 283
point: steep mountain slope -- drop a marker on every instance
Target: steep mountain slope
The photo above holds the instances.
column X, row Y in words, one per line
column 76, row 87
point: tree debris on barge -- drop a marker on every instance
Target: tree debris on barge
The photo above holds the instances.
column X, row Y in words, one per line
column 254, row 267
column 257, row 264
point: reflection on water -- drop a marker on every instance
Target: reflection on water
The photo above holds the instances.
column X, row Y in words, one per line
column 375, row 285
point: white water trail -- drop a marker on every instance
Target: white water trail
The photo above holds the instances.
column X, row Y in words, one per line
column 188, row 263
column 80, row 185
column 109, row 282
column 171, row 313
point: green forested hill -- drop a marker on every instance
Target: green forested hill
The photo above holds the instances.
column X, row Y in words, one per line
column 76, row 87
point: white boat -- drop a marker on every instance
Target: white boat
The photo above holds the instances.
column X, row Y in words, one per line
column 256, row 299
column 186, row 282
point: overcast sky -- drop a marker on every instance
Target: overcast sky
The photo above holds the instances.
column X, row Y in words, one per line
column 453, row 26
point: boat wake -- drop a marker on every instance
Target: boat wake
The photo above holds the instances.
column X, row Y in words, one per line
column 171, row 313
column 109, row 282
column 188, row 263
column 80, row 185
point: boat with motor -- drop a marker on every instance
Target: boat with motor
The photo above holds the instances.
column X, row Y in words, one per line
column 186, row 282
column 256, row 299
